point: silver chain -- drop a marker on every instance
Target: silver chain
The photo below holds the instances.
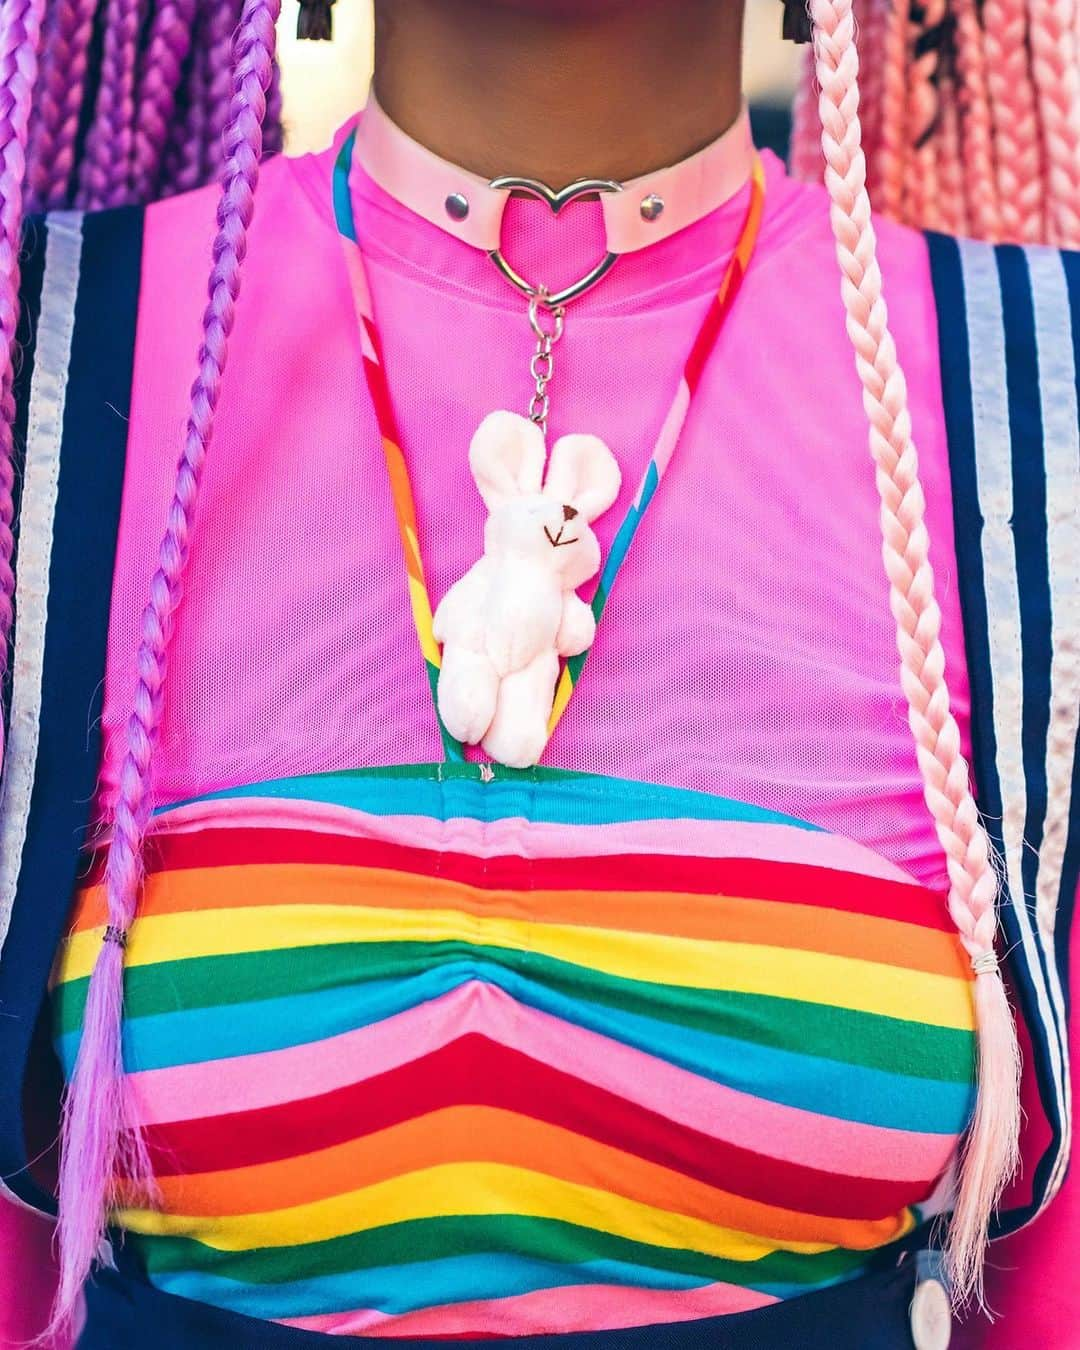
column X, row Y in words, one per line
column 542, row 365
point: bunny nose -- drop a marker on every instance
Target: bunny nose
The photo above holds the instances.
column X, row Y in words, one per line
column 568, row 513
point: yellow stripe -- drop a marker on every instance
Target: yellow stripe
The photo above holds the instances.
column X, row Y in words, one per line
column 462, row 1188
column 424, row 622
column 562, row 698
column 813, row 977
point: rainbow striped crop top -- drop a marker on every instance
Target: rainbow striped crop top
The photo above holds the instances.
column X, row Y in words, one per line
column 449, row 1051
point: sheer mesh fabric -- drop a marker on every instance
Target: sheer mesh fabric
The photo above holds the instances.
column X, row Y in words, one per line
column 748, row 648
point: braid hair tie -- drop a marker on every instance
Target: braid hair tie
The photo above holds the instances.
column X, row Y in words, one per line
column 986, row 963
column 115, row 935
column 316, row 21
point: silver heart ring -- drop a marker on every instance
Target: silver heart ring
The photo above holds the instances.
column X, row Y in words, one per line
column 584, row 187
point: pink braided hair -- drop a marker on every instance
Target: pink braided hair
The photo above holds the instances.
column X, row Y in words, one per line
column 949, row 153
column 976, row 124
column 1055, row 65
column 893, row 155
column 160, row 73
column 922, row 196
column 106, row 169
column 61, row 89
column 99, row 1143
column 1020, row 176
column 991, row 1147
column 20, row 35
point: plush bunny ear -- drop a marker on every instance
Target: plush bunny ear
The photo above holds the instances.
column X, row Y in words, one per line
column 584, row 473
column 507, row 458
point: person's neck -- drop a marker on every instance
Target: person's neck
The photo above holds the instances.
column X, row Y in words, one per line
column 574, row 92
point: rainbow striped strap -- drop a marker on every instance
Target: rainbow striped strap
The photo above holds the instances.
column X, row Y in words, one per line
column 401, row 487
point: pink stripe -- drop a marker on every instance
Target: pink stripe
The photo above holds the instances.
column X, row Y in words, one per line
column 248, row 1082
column 672, row 429
column 361, row 294
column 705, row 838
column 588, row 1307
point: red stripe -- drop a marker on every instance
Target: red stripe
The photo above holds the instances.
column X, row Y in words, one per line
column 475, row 1070
column 748, row 878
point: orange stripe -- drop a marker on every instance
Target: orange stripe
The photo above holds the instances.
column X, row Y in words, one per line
column 768, row 923
column 487, row 1134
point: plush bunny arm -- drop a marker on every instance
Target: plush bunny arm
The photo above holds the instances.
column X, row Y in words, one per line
column 578, row 628
column 459, row 616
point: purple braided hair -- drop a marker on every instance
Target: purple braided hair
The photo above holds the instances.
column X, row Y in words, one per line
column 106, row 168
column 160, row 73
column 20, row 36
column 186, row 156
column 54, row 124
column 220, row 28
column 99, row 1143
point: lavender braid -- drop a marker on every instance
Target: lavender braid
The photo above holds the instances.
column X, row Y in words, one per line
column 106, row 168
column 54, row 123
column 20, row 37
column 160, row 74
column 99, row 1143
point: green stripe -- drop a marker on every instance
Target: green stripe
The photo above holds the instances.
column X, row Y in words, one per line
column 462, row 1235
column 845, row 1036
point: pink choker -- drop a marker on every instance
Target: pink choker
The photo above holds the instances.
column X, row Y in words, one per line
column 636, row 213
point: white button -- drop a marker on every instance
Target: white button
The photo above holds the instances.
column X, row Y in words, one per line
column 931, row 1316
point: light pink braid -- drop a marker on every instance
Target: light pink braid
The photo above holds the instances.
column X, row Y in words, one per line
column 20, row 37
column 99, row 1144
column 976, row 124
column 61, row 88
column 1017, row 139
column 161, row 68
column 105, row 172
column 990, row 1149
column 892, row 165
column 1055, row 66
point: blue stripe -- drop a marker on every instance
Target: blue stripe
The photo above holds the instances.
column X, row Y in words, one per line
column 80, row 590
column 832, row 1088
column 421, row 1284
column 343, row 207
column 444, row 792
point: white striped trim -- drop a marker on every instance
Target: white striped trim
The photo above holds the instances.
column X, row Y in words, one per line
column 993, row 462
column 48, row 390
column 1061, row 437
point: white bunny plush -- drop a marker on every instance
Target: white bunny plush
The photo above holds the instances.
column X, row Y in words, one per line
column 506, row 623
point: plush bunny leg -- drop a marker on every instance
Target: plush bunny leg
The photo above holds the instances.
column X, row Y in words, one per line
column 577, row 632
column 518, row 734
column 467, row 693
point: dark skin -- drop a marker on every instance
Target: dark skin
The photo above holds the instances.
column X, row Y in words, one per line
column 560, row 89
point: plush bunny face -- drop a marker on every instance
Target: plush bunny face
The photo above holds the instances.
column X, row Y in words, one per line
column 545, row 521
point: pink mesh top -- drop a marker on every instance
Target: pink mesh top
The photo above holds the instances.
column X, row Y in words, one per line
column 748, row 649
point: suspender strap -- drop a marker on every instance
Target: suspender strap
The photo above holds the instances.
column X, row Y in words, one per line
column 81, row 278
column 1009, row 326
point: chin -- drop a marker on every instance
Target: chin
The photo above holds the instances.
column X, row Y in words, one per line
column 573, row 9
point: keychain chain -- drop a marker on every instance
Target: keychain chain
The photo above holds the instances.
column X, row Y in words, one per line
column 542, row 365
